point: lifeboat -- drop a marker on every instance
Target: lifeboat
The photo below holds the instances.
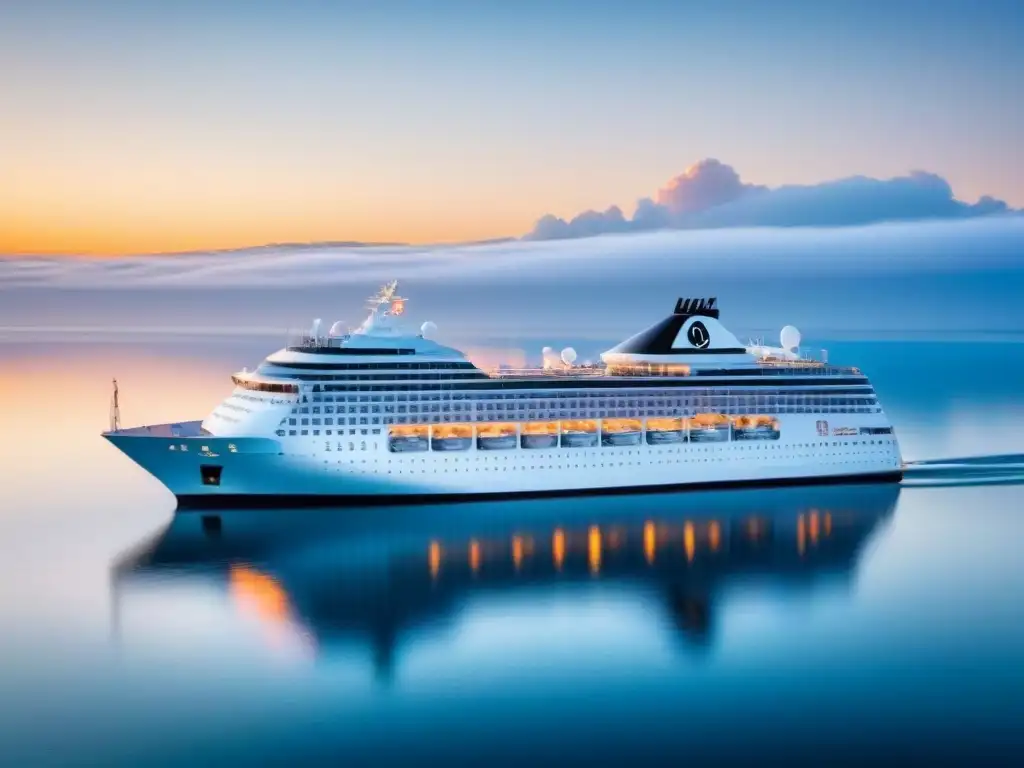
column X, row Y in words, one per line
column 412, row 439
column 579, row 434
column 496, row 437
column 621, row 432
column 709, row 427
column 665, row 431
column 451, row 437
column 539, row 434
column 755, row 428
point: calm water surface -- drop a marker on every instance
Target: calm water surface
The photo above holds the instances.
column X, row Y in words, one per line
column 826, row 625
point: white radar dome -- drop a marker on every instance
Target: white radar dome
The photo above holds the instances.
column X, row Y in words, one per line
column 568, row 355
column 337, row 330
column 428, row 329
column 790, row 337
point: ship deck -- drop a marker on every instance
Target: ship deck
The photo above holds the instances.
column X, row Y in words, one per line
column 171, row 429
column 761, row 368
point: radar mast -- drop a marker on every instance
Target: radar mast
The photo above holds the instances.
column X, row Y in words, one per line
column 115, row 410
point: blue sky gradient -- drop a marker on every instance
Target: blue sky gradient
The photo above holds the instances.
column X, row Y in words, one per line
column 159, row 126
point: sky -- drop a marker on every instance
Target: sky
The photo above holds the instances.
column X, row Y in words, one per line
column 136, row 127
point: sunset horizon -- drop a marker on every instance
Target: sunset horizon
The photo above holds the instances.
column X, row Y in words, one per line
column 138, row 129
column 701, row 191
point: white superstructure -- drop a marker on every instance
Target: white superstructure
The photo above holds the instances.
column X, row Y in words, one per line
column 383, row 413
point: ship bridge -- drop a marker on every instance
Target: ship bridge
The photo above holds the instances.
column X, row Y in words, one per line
column 381, row 341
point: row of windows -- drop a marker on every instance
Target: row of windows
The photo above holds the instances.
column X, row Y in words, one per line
column 843, row 462
column 328, row 432
column 391, row 377
column 630, row 398
column 711, row 404
column 481, row 404
column 511, row 386
column 423, row 415
column 780, row 370
column 262, row 386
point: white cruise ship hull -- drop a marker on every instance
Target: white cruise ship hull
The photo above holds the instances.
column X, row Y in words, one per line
column 209, row 471
column 681, row 404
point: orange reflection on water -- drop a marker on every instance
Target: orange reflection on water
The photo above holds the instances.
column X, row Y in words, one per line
column 801, row 534
column 714, row 535
column 689, row 542
column 517, row 551
column 434, row 559
column 594, row 549
column 827, row 526
column 812, row 526
column 474, row 555
column 650, row 542
column 558, row 548
column 258, row 594
column 261, row 596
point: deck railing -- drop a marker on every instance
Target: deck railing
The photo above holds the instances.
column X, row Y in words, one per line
column 762, row 368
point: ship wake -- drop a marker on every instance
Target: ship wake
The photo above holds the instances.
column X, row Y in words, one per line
column 997, row 469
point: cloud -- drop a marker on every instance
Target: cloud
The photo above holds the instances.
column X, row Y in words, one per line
column 585, row 224
column 936, row 279
column 710, row 194
column 704, row 185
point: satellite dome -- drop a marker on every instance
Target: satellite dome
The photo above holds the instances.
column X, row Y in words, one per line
column 337, row 330
column 428, row 329
column 568, row 355
column 547, row 351
column 790, row 338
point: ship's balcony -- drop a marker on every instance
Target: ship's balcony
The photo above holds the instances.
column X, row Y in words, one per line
column 581, row 371
column 764, row 367
column 804, row 365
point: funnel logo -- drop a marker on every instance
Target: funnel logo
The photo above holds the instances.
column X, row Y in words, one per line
column 698, row 335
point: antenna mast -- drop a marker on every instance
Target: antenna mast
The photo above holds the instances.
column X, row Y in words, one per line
column 115, row 411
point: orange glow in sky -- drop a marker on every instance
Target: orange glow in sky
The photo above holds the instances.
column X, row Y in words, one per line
column 207, row 126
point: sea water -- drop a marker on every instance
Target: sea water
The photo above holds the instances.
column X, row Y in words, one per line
column 818, row 625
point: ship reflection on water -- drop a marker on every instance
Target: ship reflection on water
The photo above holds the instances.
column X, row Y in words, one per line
column 383, row 576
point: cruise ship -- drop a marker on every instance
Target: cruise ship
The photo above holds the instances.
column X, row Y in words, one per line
column 387, row 414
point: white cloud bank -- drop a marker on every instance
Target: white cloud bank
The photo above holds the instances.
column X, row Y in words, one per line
column 710, row 194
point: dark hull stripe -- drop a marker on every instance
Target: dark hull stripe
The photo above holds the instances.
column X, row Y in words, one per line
column 362, row 367
column 263, row 501
column 500, row 385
